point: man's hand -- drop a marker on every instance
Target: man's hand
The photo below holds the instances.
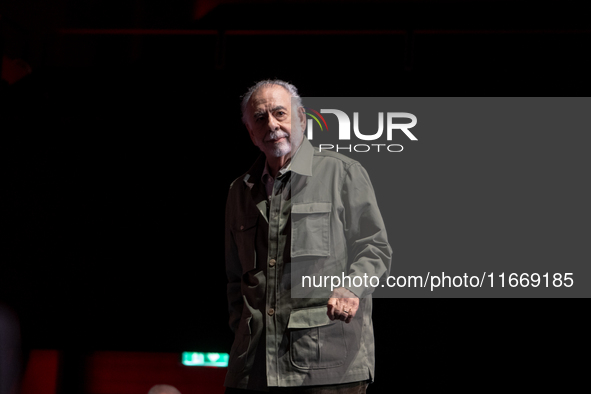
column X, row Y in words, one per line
column 342, row 305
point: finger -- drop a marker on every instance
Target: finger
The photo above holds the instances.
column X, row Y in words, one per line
column 353, row 304
column 352, row 311
column 345, row 310
column 339, row 310
column 351, row 314
column 330, row 308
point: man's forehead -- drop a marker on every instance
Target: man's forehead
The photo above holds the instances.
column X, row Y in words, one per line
column 269, row 95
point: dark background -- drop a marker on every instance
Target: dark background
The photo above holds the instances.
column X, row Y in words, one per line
column 120, row 144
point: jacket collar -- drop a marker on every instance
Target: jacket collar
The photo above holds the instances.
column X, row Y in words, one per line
column 300, row 164
column 302, row 161
column 255, row 172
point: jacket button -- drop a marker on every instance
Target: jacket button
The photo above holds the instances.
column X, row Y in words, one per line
column 272, row 262
column 271, row 312
column 241, row 227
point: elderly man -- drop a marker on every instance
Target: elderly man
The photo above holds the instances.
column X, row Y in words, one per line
column 298, row 207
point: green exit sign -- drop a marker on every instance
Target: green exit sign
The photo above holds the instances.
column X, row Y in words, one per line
column 198, row 359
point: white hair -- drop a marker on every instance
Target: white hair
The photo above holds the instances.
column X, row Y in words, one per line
column 291, row 89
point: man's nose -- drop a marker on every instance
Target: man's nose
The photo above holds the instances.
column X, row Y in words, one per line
column 273, row 123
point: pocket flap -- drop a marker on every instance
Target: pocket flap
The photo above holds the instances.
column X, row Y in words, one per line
column 309, row 317
column 311, row 207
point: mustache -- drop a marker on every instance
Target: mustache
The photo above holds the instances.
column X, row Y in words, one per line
column 275, row 135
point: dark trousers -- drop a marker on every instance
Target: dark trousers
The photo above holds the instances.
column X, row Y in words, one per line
column 346, row 388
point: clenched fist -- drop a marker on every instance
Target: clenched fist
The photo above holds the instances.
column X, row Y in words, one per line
column 342, row 305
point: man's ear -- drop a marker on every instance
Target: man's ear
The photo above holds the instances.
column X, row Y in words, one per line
column 302, row 118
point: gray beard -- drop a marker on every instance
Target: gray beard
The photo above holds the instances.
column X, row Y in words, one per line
column 282, row 149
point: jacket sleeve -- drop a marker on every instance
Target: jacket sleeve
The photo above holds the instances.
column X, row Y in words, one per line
column 369, row 252
column 233, row 268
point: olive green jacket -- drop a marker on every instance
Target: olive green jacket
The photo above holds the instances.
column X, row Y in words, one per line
column 322, row 218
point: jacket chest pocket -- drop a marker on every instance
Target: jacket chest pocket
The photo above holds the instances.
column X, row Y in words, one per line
column 316, row 342
column 310, row 229
column 245, row 230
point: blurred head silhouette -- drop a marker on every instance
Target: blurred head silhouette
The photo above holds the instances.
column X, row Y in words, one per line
column 163, row 389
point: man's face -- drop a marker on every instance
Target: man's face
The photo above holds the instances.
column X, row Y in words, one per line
column 269, row 121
